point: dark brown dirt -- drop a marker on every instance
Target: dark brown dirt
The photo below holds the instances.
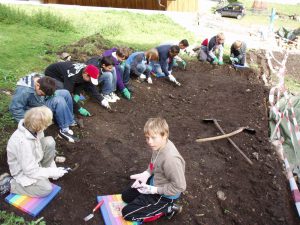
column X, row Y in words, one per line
column 112, row 148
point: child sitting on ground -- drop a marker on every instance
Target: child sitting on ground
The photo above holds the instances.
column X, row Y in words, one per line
column 140, row 64
column 122, row 69
column 30, row 157
column 238, row 53
column 108, row 79
column 155, row 191
column 36, row 90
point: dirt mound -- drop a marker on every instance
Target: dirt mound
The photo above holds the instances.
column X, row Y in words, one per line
column 86, row 47
column 112, row 148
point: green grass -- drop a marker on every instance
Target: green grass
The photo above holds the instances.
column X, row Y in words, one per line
column 293, row 85
column 12, row 219
column 47, row 19
column 24, row 49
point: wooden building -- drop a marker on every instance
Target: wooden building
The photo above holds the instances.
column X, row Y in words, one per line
column 164, row 5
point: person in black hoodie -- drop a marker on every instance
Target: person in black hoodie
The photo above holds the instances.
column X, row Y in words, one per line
column 76, row 77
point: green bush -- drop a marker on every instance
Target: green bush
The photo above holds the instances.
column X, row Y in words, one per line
column 51, row 21
column 44, row 19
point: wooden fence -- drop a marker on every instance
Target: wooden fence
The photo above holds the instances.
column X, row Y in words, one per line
column 166, row 5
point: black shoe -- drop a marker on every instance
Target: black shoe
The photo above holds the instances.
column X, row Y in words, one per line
column 175, row 209
column 68, row 135
column 5, row 183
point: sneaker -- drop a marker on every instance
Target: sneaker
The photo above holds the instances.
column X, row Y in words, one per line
column 114, row 96
column 142, row 77
column 5, row 183
column 77, row 122
column 149, row 80
column 109, row 98
column 175, row 209
column 74, row 124
column 68, row 135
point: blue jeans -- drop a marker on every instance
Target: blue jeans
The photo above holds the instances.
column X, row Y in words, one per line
column 108, row 79
column 156, row 68
column 144, row 69
column 62, row 107
column 125, row 72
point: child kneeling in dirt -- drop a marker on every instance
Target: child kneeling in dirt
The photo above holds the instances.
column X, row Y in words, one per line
column 30, row 157
column 208, row 50
column 155, row 191
column 139, row 63
column 238, row 53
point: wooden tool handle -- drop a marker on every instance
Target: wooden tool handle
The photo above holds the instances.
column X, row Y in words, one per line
column 221, row 136
column 234, row 145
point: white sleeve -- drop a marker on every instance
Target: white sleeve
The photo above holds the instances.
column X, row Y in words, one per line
column 29, row 165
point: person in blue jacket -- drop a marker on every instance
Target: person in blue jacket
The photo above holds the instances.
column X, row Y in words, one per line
column 166, row 54
column 140, row 64
column 36, row 90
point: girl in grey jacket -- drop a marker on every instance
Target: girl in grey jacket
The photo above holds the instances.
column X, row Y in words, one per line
column 30, row 156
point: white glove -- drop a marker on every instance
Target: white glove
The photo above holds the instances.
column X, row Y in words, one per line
column 56, row 172
column 140, row 178
column 142, row 76
column 105, row 104
column 149, row 80
column 147, row 189
column 172, row 78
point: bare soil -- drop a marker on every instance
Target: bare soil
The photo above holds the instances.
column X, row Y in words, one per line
column 113, row 147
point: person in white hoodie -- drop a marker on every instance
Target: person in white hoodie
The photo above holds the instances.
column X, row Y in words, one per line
column 30, row 157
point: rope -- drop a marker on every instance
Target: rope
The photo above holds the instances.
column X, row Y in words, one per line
column 280, row 91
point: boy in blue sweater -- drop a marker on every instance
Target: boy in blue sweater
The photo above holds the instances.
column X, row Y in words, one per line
column 35, row 90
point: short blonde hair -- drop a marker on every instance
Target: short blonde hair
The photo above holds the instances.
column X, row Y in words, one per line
column 221, row 36
column 237, row 44
column 157, row 126
column 38, row 118
column 152, row 54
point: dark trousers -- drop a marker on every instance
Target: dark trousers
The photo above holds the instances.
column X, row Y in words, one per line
column 142, row 207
